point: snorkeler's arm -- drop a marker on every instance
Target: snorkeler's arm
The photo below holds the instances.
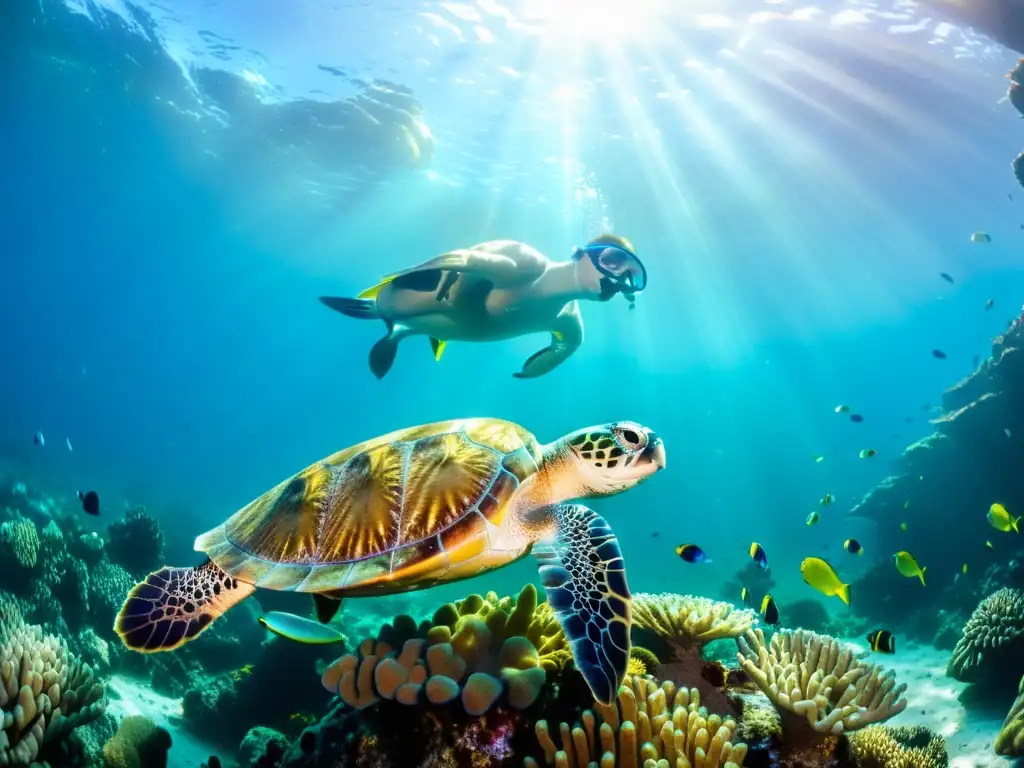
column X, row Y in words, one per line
column 566, row 338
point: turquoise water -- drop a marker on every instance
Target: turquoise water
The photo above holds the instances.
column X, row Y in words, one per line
column 795, row 180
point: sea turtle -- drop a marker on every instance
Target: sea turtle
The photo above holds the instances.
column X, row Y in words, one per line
column 415, row 508
column 493, row 291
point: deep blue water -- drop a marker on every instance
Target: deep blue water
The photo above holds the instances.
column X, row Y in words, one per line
column 794, row 200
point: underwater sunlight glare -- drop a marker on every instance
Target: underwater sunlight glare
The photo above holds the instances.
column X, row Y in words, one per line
column 611, row 22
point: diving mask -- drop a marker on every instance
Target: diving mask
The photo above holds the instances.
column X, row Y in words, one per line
column 620, row 266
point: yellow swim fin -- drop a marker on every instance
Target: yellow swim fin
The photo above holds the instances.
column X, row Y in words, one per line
column 437, row 347
column 371, row 293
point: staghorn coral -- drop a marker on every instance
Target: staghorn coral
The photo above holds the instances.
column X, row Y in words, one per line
column 992, row 637
column 45, row 692
column 882, row 746
column 677, row 628
column 475, row 650
column 1010, row 741
column 643, row 728
column 818, row 687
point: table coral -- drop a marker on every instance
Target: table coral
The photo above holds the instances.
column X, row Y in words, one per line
column 818, row 687
column 677, row 628
column 882, row 746
column 993, row 636
column 45, row 691
column 476, row 650
column 652, row 724
column 1010, row 741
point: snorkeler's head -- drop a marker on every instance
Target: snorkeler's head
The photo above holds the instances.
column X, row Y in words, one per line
column 615, row 264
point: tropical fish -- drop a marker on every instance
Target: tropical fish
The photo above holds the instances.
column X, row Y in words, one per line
column 39, row 439
column 853, row 547
column 988, row 545
column 964, row 568
column 903, row 526
column 818, row 459
column 907, row 565
column 981, row 237
column 1002, row 520
column 90, row 502
column 867, row 453
column 882, row 641
column 758, row 555
column 946, row 276
column 822, row 576
column 67, row 441
column 856, row 418
column 745, row 597
column 813, row 518
column 300, row 629
column 769, row 610
column 990, row 303
column 842, row 409
column 691, row 553
column 938, row 354
column 827, row 499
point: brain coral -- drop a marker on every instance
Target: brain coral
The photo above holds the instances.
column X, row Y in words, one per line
column 45, row 692
column 652, row 724
column 992, row 639
column 817, row 685
column 881, row 746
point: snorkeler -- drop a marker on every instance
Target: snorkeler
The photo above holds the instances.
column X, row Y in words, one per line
column 497, row 290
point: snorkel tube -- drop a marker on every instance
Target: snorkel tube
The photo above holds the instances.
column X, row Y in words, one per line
column 620, row 268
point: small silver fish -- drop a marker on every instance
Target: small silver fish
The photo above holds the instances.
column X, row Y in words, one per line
column 68, row 441
column 1007, row 432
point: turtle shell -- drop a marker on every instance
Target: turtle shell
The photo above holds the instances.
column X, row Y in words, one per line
column 399, row 512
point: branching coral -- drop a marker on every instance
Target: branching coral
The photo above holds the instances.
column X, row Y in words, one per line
column 817, row 685
column 45, row 692
column 1010, row 741
column 651, row 725
column 882, row 746
column 993, row 634
column 475, row 650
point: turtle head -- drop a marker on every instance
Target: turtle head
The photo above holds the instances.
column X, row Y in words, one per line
column 611, row 458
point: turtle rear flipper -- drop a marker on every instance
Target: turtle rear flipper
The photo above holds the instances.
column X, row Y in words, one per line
column 173, row 605
column 585, row 560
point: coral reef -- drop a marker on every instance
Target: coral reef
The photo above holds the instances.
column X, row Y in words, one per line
column 1010, row 741
column 818, row 687
column 138, row 743
column 649, row 723
column 45, row 691
column 136, row 542
column 678, row 627
column 262, row 748
column 882, row 746
column 476, row 650
column 993, row 639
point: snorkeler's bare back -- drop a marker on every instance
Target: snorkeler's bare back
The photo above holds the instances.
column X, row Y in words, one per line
column 492, row 296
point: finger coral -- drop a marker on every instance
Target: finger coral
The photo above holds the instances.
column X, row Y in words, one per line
column 45, row 692
column 1010, row 741
column 993, row 635
column 476, row 650
column 881, row 746
column 651, row 724
column 817, row 685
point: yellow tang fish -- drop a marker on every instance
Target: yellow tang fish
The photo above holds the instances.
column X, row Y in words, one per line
column 822, row 576
column 1002, row 520
column 907, row 565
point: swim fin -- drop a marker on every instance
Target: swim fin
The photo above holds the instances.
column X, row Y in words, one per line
column 361, row 309
column 437, row 347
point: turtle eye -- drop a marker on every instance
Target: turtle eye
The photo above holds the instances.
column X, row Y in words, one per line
column 630, row 439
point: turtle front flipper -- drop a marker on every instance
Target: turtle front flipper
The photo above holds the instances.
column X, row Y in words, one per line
column 173, row 605
column 566, row 338
column 585, row 579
